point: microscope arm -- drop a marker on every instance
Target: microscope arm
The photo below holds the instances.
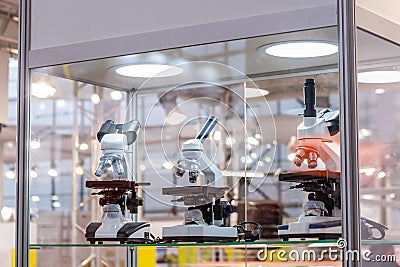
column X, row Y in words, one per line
column 211, row 172
column 328, row 154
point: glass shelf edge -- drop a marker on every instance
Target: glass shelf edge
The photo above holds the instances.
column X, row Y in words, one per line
column 232, row 244
column 377, row 242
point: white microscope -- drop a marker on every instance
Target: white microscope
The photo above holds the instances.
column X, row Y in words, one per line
column 118, row 196
column 318, row 148
column 205, row 217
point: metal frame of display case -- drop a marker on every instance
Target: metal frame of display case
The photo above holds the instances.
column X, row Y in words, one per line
column 187, row 36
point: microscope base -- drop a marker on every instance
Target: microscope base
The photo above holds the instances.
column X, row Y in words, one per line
column 312, row 227
column 199, row 233
column 129, row 232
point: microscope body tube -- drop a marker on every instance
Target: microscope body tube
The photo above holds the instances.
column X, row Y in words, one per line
column 309, row 99
column 207, row 128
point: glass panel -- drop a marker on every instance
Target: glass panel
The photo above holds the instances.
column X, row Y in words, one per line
column 255, row 98
column 378, row 91
column 8, row 157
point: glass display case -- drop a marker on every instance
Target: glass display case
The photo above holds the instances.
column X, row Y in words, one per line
column 165, row 128
column 256, row 97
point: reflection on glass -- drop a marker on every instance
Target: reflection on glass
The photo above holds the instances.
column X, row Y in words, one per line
column 378, row 93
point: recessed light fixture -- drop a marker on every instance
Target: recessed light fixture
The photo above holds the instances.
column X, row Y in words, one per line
column 252, row 141
column 33, row 173
column 365, row 132
column 175, row 118
column 10, row 174
column 116, row 95
column 35, row 144
column 148, row 70
column 381, row 174
column 7, row 214
column 168, row 165
column 217, row 135
column 56, row 204
column 42, row 90
column 95, row 98
column 60, row 103
column 35, row 198
column 368, row 171
column 230, row 141
column 379, row 76
column 83, row 146
column 380, row 91
column 254, row 92
column 79, row 170
column 52, row 172
column 300, row 49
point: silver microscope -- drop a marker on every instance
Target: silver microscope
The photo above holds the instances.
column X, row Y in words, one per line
column 205, row 216
column 118, row 196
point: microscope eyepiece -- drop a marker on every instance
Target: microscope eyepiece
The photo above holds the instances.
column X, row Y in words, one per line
column 309, row 98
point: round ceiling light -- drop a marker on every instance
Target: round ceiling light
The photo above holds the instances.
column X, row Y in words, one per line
column 300, row 49
column 116, row 95
column 255, row 92
column 42, row 90
column 380, row 91
column 175, row 118
column 95, row 98
column 148, row 70
column 380, row 76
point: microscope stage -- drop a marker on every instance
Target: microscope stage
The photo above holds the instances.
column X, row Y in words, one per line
column 309, row 176
column 195, row 191
column 113, row 184
column 199, row 233
column 195, row 195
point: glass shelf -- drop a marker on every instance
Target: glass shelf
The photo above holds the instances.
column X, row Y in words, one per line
column 386, row 242
column 274, row 243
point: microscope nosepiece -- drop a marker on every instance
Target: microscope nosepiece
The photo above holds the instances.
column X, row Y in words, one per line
column 312, row 160
column 299, row 157
column 193, row 175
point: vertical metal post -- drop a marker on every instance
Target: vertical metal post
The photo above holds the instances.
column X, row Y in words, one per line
column 23, row 138
column 132, row 113
column 1, row 179
column 349, row 129
column 75, row 158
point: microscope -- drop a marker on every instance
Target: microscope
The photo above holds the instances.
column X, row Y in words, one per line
column 318, row 149
column 204, row 219
column 119, row 197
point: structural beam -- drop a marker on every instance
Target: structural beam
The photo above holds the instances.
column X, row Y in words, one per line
column 349, row 130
